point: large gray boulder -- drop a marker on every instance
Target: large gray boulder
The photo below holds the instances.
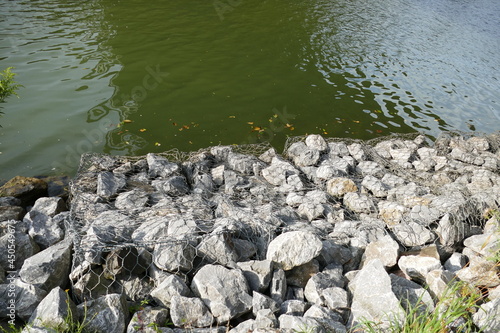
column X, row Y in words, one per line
column 487, row 318
column 261, row 301
column 385, row 249
column 411, row 295
column 108, row 184
column 175, row 255
column 170, row 287
column 330, row 277
column 49, row 206
column 159, row 166
column 329, row 319
column 218, row 248
column 44, row 229
column 190, row 312
column 294, row 248
column 291, row 323
column 25, row 248
column 224, row 291
column 303, row 155
column 278, row 172
column 373, row 298
column 258, row 273
column 112, row 227
column 417, row 267
column 49, row 268
column 56, row 310
column 359, row 203
column 107, row 314
column 26, row 297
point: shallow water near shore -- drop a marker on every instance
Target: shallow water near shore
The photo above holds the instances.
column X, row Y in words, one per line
column 129, row 78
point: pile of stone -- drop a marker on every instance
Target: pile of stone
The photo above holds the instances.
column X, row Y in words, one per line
column 319, row 239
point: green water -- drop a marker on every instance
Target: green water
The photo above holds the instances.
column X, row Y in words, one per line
column 131, row 77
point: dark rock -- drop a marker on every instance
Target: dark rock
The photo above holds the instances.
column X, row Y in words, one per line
column 25, row 248
column 49, row 268
column 108, row 184
column 44, row 230
column 11, row 213
column 173, row 186
column 278, row 287
column 107, row 314
column 27, row 298
column 293, row 308
column 160, row 167
column 25, row 189
column 261, row 301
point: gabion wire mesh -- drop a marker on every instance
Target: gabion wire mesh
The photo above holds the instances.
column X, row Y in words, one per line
column 134, row 228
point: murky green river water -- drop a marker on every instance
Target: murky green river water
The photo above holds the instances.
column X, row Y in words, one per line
column 131, row 77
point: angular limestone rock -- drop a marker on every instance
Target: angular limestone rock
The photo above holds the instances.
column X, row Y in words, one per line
column 190, row 312
column 56, row 310
column 148, row 320
column 385, row 249
column 170, row 287
column 107, row 314
column 224, row 291
column 373, row 298
column 49, row 268
column 257, row 273
column 294, row 248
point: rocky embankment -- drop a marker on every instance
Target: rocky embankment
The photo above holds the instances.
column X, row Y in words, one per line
column 319, row 239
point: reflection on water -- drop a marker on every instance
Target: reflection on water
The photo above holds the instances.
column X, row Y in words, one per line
column 433, row 62
column 128, row 78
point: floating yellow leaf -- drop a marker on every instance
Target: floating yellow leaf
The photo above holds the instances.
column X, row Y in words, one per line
column 142, row 130
column 127, row 121
column 288, row 125
column 250, row 123
column 190, row 142
column 232, row 116
column 275, row 115
column 157, row 144
column 181, row 128
column 292, row 128
column 186, row 126
column 174, row 123
column 356, row 121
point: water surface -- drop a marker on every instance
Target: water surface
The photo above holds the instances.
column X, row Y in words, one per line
column 128, row 77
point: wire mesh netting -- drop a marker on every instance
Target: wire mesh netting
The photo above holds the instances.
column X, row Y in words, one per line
column 138, row 222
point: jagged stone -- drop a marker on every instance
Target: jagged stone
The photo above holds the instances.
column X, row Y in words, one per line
column 338, row 149
column 43, row 229
column 190, row 312
column 112, row 227
column 25, row 189
column 131, row 200
column 294, row 248
column 310, row 210
column 424, row 215
column 170, row 287
column 148, row 320
column 265, row 318
column 373, row 298
column 257, row 273
column 487, row 245
column 151, row 230
column 417, row 267
column 49, row 206
column 385, row 249
column 391, row 212
column 438, row 282
column 412, row 234
column 359, row 203
column 317, row 142
column 370, row 168
column 175, row 256
column 303, row 155
column 124, row 260
column 278, row 287
column 334, row 298
column 133, row 287
column 451, row 230
column 339, row 186
column 224, row 291
column 330, row 277
column 26, row 298
column 218, row 249
column 487, row 317
column 108, row 184
column 356, row 150
column 159, row 166
column 49, row 268
column 173, row 186
column 107, row 314
column 261, row 301
column 278, row 172
column 25, row 248
column 293, row 307
column 297, row 322
column 374, row 186
column 90, row 285
column 56, row 310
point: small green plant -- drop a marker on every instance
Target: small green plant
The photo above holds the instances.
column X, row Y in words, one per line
column 8, row 86
column 454, row 309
